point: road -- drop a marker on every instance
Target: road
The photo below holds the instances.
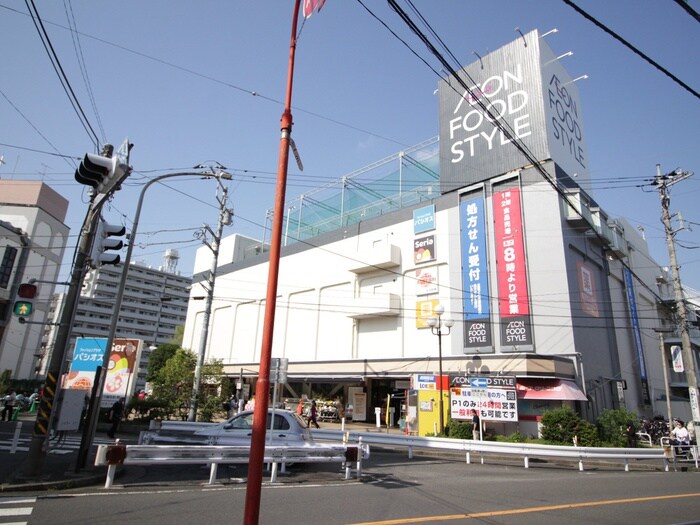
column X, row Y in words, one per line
column 394, row 490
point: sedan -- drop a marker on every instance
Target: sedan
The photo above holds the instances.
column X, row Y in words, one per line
column 289, row 429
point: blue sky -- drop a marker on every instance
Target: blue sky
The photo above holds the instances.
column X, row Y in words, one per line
column 192, row 83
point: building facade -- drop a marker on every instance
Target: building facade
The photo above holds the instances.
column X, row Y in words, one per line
column 491, row 223
column 33, row 240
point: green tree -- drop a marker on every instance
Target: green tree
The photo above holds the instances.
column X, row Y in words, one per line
column 172, row 386
column 158, row 358
column 172, row 383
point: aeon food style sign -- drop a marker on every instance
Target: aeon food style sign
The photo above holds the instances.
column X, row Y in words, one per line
column 519, row 92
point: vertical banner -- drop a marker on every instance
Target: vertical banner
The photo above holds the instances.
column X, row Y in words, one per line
column 636, row 332
column 475, row 275
column 587, row 289
column 122, row 370
column 513, row 295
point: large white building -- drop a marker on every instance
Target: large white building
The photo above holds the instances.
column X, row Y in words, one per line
column 153, row 306
column 33, row 239
column 544, row 285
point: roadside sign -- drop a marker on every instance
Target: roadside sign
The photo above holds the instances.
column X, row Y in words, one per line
column 493, row 397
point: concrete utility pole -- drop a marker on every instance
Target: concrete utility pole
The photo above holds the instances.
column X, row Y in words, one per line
column 224, row 220
column 663, row 182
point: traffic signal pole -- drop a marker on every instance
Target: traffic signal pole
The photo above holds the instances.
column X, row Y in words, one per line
column 37, row 446
column 104, row 174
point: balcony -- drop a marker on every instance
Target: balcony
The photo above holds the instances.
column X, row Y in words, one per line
column 384, row 305
column 381, row 256
column 576, row 209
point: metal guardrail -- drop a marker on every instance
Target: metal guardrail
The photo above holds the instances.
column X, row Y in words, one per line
column 114, row 455
column 524, row 450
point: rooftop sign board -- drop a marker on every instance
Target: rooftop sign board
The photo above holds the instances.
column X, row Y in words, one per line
column 526, row 91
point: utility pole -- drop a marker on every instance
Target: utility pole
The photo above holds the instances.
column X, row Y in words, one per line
column 224, row 220
column 663, row 182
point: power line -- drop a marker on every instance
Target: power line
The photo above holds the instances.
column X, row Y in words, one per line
column 58, row 68
column 686, row 6
column 632, row 48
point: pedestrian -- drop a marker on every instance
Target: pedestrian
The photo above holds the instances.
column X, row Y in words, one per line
column 9, row 406
column 476, row 425
column 312, row 416
column 300, row 408
column 631, row 433
column 115, row 416
column 680, row 437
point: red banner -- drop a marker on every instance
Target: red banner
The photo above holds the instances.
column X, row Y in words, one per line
column 513, row 296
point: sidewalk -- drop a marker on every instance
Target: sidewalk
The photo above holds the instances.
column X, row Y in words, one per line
column 56, row 472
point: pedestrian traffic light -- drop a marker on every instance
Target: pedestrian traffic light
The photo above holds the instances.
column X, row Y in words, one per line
column 102, row 173
column 103, row 245
column 23, row 306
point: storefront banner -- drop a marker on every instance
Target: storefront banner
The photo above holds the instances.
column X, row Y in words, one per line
column 587, row 289
column 426, row 281
column 494, row 398
column 475, row 273
column 513, row 295
column 424, row 219
column 424, row 249
column 424, row 311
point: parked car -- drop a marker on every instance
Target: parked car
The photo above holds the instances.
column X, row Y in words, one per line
column 289, row 429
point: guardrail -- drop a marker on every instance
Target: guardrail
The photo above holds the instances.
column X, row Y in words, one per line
column 114, row 455
column 524, row 450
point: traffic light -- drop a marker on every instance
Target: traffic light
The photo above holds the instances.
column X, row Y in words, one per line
column 102, row 173
column 103, row 245
column 23, row 306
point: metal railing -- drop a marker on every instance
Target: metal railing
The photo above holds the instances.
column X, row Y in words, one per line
column 523, row 450
column 114, row 455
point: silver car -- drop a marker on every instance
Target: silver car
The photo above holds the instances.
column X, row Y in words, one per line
column 289, row 429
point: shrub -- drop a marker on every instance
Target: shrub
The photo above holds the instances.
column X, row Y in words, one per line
column 459, row 430
column 560, row 425
column 612, row 425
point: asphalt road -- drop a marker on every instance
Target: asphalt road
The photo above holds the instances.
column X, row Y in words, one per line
column 393, row 490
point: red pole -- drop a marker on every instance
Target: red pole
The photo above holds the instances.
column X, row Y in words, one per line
column 262, row 388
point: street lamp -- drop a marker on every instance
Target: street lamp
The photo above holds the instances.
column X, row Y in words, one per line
column 440, row 327
column 91, row 416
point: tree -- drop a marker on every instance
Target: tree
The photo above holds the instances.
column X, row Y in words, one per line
column 158, row 358
column 172, row 385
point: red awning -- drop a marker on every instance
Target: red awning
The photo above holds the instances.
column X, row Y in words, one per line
column 559, row 389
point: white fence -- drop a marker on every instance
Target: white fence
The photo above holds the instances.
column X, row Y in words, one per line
column 113, row 455
column 523, row 450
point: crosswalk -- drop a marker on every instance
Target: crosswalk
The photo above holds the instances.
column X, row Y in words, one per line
column 17, row 509
column 63, row 445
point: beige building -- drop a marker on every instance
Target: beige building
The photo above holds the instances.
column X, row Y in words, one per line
column 37, row 214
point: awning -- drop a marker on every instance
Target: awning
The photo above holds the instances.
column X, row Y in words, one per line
column 559, row 389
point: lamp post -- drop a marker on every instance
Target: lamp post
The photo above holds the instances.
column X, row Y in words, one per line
column 440, row 327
